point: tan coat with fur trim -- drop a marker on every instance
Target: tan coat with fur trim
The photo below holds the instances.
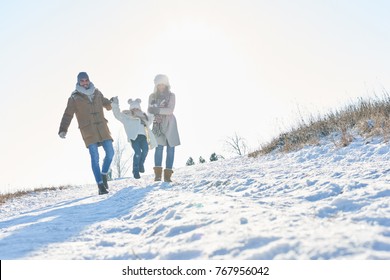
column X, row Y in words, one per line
column 90, row 117
column 164, row 125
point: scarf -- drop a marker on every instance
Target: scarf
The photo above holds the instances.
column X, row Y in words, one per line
column 161, row 101
column 87, row 91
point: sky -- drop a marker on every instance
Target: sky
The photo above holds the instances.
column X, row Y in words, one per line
column 246, row 67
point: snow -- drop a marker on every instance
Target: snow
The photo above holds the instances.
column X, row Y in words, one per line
column 321, row 202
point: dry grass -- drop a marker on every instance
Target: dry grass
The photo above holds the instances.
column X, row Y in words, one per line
column 367, row 117
column 8, row 196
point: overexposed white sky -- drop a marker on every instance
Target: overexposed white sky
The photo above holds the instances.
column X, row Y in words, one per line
column 235, row 66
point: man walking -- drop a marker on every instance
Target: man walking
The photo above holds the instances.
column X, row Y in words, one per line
column 87, row 103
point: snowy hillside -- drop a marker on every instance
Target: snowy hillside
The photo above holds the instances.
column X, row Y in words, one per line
column 320, row 202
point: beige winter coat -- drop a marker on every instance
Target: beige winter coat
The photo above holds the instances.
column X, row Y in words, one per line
column 167, row 132
column 90, row 116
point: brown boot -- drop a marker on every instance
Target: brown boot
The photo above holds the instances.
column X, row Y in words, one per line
column 157, row 173
column 167, row 175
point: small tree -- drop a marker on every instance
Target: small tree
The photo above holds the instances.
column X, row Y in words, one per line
column 201, row 160
column 190, row 162
column 213, row 157
column 237, row 144
column 121, row 160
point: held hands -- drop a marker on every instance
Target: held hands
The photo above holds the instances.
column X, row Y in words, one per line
column 62, row 134
column 114, row 100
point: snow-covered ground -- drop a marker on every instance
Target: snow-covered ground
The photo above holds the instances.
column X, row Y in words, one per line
column 321, row 202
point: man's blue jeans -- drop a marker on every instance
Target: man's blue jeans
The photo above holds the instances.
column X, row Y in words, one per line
column 141, row 149
column 93, row 151
column 158, row 155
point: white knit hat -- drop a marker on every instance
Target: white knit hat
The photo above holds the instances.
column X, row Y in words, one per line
column 161, row 79
column 134, row 104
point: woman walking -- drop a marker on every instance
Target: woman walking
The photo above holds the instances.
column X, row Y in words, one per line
column 161, row 105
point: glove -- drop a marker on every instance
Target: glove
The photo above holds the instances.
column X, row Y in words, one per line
column 62, row 134
column 114, row 100
column 154, row 110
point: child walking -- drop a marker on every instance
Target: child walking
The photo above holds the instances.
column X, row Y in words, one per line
column 136, row 124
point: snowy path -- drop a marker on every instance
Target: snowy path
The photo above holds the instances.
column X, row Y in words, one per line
column 317, row 203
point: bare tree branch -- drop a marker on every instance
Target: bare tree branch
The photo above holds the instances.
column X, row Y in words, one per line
column 236, row 144
column 121, row 161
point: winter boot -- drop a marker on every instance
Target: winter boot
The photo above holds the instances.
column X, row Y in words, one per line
column 157, row 173
column 136, row 174
column 104, row 178
column 102, row 188
column 141, row 168
column 167, row 175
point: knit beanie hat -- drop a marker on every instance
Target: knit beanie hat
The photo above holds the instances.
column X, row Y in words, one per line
column 81, row 76
column 134, row 104
column 161, row 79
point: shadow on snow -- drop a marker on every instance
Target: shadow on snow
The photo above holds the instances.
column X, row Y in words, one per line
column 62, row 221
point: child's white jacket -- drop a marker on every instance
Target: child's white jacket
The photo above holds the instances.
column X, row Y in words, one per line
column 133, row 126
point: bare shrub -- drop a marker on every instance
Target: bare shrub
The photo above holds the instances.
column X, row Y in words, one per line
column 236, row 144
column 8, row 196
column 122, row 158
column 370, row 117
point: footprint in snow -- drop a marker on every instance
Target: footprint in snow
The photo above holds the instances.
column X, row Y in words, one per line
column 181, row 229
column 183, row 255
column 334, row 190
column 170, row 215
